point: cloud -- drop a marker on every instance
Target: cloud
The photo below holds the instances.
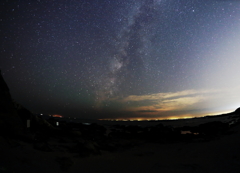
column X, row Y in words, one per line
column 184, row 103
column 181, row 104
column 162, row 96
column 147, row 111
column 168, row 101
column 187, row 103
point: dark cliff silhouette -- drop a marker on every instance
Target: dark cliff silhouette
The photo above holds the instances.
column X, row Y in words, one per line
column 237, row 111
column 10, row 122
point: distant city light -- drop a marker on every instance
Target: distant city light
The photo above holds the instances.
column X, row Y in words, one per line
column 57, row 116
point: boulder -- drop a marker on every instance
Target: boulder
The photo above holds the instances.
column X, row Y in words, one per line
column 10, row 122
column 65, row 163
column 86, row 148
column 42, row 146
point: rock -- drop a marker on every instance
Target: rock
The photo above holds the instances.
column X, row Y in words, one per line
column 92, row 147
column 38, row 123
column 213, row 128
column 14, row 117
column 237, row 111
column 93, row 131
column 10, row 122
column 108, row 146
column 85, row 148
column 23, row 113
column 42, row 146
column 77, row 133
column 65, row 163
column 146, row 153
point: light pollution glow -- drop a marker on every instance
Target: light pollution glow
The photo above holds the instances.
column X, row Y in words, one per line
column 182, row 104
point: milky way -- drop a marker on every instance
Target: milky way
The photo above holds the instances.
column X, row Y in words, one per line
column 128, row 63
column 127, row 59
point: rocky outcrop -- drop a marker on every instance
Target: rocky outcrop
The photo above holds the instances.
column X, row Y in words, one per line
column 14, row 117
column 10, row 122
column 237, row 111
column 37, row 122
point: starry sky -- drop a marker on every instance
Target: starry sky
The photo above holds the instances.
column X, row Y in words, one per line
column 125, row 59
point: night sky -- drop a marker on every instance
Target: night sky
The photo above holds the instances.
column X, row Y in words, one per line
column 139, row 59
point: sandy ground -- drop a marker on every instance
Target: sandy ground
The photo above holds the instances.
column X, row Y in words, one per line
column 220, row 155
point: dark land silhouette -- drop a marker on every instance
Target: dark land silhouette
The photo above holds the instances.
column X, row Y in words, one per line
column 31, row 143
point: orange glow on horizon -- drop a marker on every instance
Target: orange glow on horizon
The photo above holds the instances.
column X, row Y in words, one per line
column 57, row 116
column 173, row 117
column 148, row 119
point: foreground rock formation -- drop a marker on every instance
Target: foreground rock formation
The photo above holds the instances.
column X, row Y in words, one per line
column 13, row 116
column 10, row 122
